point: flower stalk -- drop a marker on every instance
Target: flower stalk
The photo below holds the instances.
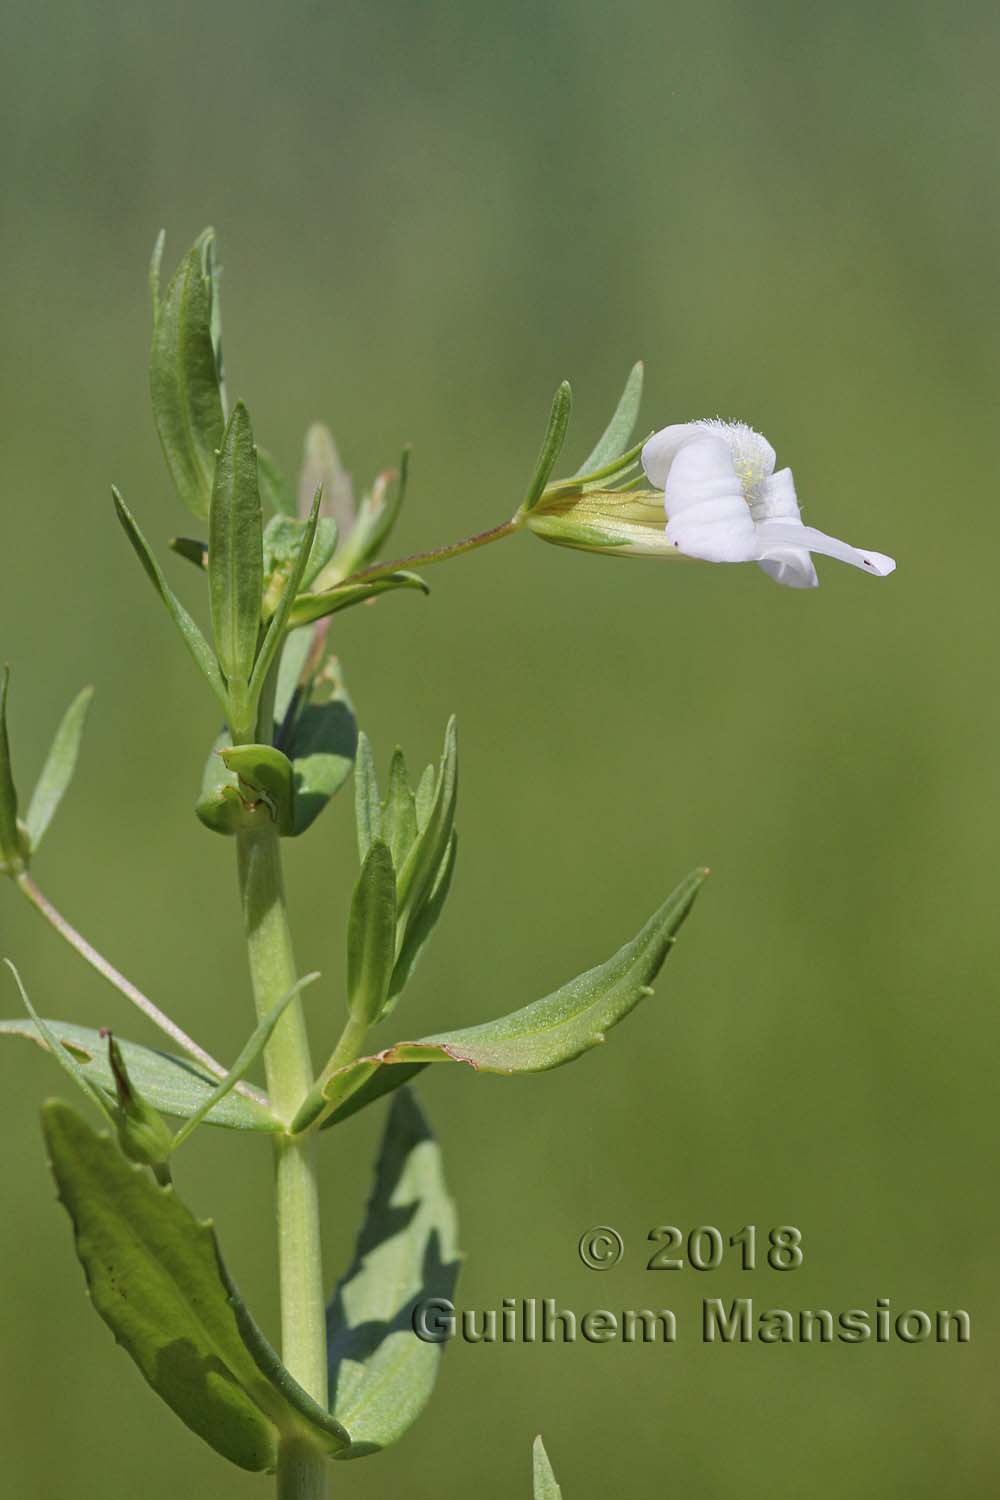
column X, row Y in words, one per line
column 437, row 554
column 132, row 993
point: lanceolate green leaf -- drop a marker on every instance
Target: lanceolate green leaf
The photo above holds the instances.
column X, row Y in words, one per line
column 173, row 1085
column 381, row 1373
column 545, row 1487
column 58, row 769
column 399, row 816
column 555, row 436
column 184, row 376
column 11, row 850
column 375, row 518
column 378, row 512
column 158, row 1280
column 192, row 636
column 614, row 440
column 62, row 1054
column 544, row 1035
column 425, row 796
column 371, row 935
column 235, row 550
column 276, row 629
column 252, row 1050
column 367, row 805
column 310, row 607
column 427, row 852
column 417, row 834
column 419, row 929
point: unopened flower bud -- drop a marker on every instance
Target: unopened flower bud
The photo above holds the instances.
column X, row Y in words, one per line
column 142, row 1133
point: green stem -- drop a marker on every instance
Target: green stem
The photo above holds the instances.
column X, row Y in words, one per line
column 299, row 1475
column 437, row 554
column 301, row 1470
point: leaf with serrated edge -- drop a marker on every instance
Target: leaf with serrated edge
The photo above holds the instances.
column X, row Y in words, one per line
column 158, row 1280
column 184, row 377
column 173, row 1085
column 544, row 1481
column 57, row 772
column 614, row 439
column 381, row 1373
column 544, row 1035
column 236, row 549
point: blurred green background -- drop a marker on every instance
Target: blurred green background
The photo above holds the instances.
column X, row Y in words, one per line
column 429, row 213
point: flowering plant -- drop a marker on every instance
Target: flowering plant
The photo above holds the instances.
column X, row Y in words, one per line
column 351, row 1375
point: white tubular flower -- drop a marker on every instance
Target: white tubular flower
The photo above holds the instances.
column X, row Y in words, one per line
column 725, row 503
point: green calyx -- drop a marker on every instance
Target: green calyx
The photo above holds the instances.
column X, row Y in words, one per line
column 625, row 523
